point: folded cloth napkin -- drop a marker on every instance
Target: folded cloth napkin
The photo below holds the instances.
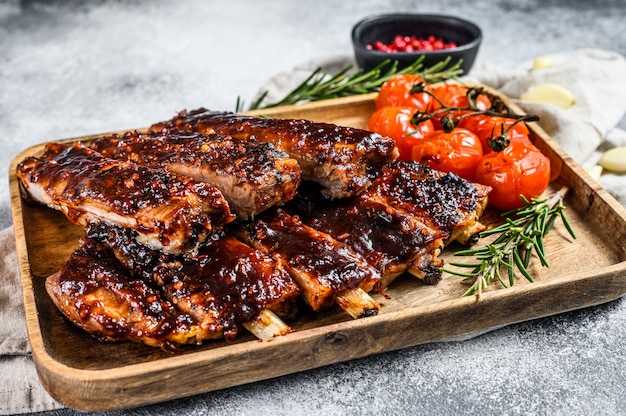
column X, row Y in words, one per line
column 20, row 390
column 584, row 131
column 614, row 183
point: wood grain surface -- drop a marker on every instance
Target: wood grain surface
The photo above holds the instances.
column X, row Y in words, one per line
column 85, row 374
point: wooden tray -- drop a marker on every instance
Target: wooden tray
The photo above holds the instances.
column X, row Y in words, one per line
column 83, row 373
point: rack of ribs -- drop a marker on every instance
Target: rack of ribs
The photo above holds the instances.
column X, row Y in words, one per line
column 328, row 271
column 169, row 212
column 98, row 295
column 251, row 175
column 223, row 285
column 442, row 201
column 325, row 214
column 391, row 241
column 341, row 159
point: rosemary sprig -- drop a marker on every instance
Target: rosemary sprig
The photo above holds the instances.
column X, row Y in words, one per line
column 319, row 86
column 519, row 236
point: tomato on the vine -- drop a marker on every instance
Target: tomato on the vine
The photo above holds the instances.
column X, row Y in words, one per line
column 395, row 122
column 459, row 132
column 519, row 169
column 455, row 95
column 487, row 127
column 458, row 151
column 397, row 92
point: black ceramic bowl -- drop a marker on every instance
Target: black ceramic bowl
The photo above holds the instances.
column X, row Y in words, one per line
column 385, row 27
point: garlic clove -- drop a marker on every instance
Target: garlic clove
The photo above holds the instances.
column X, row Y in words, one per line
column 595, row 172
column 614, row 159
column 543, row 62
column 550, row 94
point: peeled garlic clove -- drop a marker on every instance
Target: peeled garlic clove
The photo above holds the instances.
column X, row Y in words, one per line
column 543, row 62
column 594, row 171
column 549, row 94
column 614, row 159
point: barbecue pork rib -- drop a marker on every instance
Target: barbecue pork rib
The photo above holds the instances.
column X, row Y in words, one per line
column 326, row 270
column 390, row 241
column 168, row 211
column 442, row 201
column 341, row 159
column 223, row 285
column 98, row 295
column 251, row 175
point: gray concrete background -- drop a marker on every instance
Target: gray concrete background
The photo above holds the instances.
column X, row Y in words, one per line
column 69, row 69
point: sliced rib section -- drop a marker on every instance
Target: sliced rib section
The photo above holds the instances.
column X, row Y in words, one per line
column 390, row 241
column 323, row 267
column 251, row 175
column 98, row 295
column 223, row 285
column 341, row 159
column 168, row 211
column 442, row 201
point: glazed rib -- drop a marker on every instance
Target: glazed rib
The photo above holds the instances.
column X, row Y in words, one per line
column 251, row 175
column 390, row 241
column 98, row 295
column 169, row 212
column 223, row 285
column 442, row 201
column 341, row 159
column 325, row 269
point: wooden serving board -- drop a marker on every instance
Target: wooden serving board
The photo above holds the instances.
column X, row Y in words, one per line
column 83, row 373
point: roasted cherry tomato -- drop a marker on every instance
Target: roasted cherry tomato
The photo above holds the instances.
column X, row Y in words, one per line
column 519, row 169
column 395, row 122
column 397, row 92
column 458, row 151
column 455, row 95
column 487, row 127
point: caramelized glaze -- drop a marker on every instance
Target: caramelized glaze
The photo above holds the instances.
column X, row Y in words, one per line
column 223, row 284
column 168, row 211
column 321, row 265
column 441, row 200
column 252, row 175
column 97, row 294
column 389, row 240
column 339, row 158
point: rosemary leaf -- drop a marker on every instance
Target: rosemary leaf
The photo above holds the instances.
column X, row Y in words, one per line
column 458, row 264
column 468, row 275
column 499, row 275
column 511, row 271
column 551, row 221
column 540, row 250
column 528, row 253
column 566, row 223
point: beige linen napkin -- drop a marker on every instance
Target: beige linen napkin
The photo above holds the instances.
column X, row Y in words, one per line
column 20, row 390
column 595, row 77
column 614, row 183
